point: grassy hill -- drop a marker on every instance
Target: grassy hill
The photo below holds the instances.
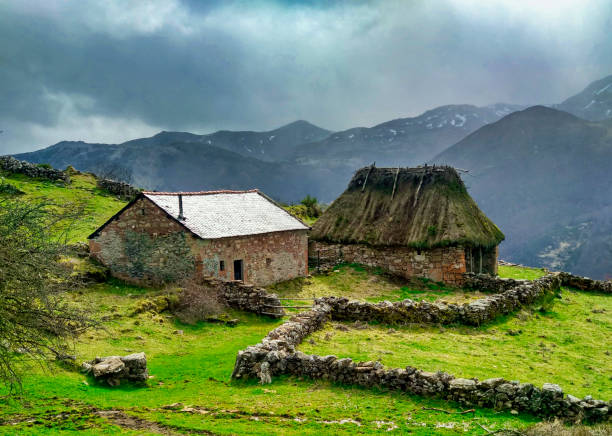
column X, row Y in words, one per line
column 190, row 391
column 98, row 205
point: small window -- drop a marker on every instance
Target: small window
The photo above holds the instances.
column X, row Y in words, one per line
column 142, row 211
column 268, row 261
column 221, row 265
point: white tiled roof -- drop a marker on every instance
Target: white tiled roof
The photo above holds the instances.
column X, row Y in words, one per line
column 222, row 214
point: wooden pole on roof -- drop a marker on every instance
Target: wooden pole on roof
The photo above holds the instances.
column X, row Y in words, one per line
column 416, row 195
column 395, row 183
column 368, row 175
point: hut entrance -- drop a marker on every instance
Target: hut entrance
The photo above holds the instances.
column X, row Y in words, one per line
column 480, row 260
column 238, row 270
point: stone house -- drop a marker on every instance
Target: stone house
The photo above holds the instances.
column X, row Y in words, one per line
column 232, row 235
column 413, row 222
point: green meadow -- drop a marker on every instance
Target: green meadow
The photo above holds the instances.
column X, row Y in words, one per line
column 190, row 390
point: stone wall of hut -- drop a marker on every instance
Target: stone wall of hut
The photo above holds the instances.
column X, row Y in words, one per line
column 446, row 264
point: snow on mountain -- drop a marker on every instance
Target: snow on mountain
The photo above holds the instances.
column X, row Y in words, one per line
column 594, row 103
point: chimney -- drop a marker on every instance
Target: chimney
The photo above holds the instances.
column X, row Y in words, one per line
column 181, row 216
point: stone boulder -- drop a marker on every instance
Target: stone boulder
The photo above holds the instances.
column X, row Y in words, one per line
column 114, row 369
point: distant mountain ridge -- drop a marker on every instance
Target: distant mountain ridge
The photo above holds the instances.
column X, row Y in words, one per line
column 594, row 103
column 317, row 160
column 271, row 146
column 402, row 141
column 186, row 161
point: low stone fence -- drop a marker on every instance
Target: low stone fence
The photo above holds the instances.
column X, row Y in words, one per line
column 517, row 294
column 586, row 284
column 489, row 283
column 273, row 354
column 485, row 282
column 12, row 165
column 276, row 354
column 247, row 297
column 120, row 189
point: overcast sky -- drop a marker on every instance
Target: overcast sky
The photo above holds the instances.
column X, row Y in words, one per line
column 112, row 70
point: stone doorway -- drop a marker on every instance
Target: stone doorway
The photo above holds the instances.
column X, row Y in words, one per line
column 238, row 270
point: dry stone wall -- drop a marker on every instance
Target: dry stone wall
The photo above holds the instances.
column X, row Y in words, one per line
column 516, row 294
column 586, row 284
column 120, row 189
column 276, row 354
column 12, row 165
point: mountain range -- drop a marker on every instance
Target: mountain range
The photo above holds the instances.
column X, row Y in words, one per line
column 539, row 172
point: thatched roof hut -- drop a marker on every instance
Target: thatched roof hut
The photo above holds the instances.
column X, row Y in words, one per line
column 424, row 207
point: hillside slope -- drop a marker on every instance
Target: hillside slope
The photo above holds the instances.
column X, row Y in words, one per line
column 98, row 205
column 543, row 176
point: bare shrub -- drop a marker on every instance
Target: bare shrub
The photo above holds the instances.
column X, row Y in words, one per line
column 197, row 301
column 37, row 321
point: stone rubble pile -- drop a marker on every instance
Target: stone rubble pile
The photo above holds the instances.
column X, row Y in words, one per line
column 114, row 369
column 12, row 165
column 276, row 353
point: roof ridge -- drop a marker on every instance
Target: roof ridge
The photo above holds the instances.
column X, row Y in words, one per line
column 278, row 205
column 220, row 191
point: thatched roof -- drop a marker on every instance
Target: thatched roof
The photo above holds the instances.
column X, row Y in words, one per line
column 430, row 207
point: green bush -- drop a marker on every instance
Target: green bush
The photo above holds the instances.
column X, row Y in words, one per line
column 7, row 188
column 312, row 206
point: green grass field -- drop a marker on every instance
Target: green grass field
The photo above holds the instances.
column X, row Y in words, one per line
column 190, row 391
column 194, row 368
column 98, row 205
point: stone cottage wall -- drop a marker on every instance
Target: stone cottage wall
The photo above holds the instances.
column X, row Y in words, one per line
column 440, row 264
column 143, row 245
column 267, row 258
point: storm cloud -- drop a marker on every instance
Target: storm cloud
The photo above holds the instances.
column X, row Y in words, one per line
column 108, row 71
